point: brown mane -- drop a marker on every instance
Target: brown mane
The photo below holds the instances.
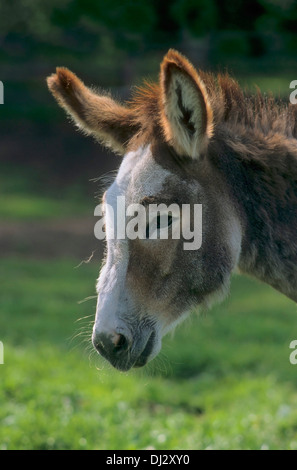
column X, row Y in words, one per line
column 233, row 107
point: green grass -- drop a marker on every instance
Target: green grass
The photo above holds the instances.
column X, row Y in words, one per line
column 26, row 195
column 33, row 207
column 224, row 381
column 277, row 85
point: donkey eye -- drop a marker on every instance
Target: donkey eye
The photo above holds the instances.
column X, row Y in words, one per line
column 161, row 221
column 164, row 221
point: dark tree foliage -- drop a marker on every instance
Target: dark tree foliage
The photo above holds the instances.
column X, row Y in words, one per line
column 78, row 25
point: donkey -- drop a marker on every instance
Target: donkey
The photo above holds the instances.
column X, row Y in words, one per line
column 192, row 138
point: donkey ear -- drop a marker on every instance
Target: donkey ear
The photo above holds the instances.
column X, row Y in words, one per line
column 95, row 114
column 186, row 114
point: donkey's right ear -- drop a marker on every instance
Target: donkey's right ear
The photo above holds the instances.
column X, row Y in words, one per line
column 186, row 113
column 95, row 114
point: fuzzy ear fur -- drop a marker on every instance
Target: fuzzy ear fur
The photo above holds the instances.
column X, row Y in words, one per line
column 95, row 114
column 186, row 114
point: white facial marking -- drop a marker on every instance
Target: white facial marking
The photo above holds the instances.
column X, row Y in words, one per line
column 147, row 177
column 138, row 176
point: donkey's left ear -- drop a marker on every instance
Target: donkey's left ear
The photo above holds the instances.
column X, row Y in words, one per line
column 186, row 114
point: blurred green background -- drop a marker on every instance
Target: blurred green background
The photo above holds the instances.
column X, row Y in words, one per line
column 224, row 381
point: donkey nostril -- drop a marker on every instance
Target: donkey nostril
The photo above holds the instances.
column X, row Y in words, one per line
column 120, row 342
column 113, row 346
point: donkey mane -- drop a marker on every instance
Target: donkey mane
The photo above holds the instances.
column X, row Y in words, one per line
column 237, row 109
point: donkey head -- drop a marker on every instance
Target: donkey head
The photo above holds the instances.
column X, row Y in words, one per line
column 147, row 285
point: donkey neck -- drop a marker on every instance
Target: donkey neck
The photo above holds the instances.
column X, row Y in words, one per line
column 261, row 175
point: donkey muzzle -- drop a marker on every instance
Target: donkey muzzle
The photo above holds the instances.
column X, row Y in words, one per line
column 123, row 350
